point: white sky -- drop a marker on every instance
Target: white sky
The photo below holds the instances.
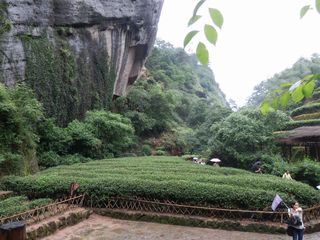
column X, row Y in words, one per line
column 258, row 39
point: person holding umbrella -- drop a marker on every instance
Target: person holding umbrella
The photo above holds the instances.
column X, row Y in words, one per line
column 216, row 162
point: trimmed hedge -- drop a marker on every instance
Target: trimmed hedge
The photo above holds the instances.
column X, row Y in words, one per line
column 316, row 95
column 302, row 123
column 307, row 116
column 19, row 204
column 165, row 178
column 307, row 108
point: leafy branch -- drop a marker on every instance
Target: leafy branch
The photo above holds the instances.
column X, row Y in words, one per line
column 209, row 31
column 297, row 91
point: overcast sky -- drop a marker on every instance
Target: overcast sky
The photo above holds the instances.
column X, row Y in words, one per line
column 258, row 39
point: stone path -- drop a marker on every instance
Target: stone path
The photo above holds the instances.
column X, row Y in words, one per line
column 105, row 228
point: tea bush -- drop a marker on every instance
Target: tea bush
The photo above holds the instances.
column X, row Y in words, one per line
column 164, row 178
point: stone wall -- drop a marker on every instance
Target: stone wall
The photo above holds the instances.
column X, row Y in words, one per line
column 77, row 55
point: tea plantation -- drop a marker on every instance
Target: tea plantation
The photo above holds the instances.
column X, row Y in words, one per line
column 164, row 178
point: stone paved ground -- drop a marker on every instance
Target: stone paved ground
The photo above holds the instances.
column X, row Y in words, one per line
column 105, row 228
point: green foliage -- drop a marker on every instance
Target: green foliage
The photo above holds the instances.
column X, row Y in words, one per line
column 63, row 83
column 306, row 171
column 202, row 53
column 101, row 134
column 113, row 130
column 307, row 108
column 5, row 24
column 189, row 37
column 83, row 140
column 146, row 150
column 165, row 178
column 244, row 136
column 304, row 10
column 308, row 116
column 278, row 86
column 210, row 32
column 216, row 17
column 302, row 123
column 19, row 115
column 18, row 204
column 49, row 159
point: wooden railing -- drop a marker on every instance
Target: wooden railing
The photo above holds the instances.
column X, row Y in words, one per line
column 179, row 209
column 40, row 213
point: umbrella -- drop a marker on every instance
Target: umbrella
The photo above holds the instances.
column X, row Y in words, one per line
column 215, row 160
column 256, row 165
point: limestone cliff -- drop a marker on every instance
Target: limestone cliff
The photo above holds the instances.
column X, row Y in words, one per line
column 76, row 54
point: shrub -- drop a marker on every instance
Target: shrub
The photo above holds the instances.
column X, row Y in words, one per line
column 146, row 150
column 307, row 171
column 164, row 178
column 17, row 204
column 302, row 123
column 49, row 159
column 160, row 152
column 307, row 116
column 307, row 108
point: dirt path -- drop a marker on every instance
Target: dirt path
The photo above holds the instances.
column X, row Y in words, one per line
column 105, row 228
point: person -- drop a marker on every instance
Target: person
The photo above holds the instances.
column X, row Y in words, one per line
column 287, row 175
column 72, row 188
column 259, row 170
column 296, row 212
column 216, row 164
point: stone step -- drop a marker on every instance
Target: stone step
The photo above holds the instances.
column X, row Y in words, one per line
column 206, row 222
column 50, row 225
column 5, row 194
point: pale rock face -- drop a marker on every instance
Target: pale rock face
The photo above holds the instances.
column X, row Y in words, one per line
column 122, row 32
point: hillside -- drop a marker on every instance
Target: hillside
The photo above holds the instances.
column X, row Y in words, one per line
column 176, row 100
column 300, row 69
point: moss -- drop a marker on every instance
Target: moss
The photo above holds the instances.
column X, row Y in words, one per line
column 5, row 26
column 67, row 85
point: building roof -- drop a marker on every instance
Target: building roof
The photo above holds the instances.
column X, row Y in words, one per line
column 299, row 136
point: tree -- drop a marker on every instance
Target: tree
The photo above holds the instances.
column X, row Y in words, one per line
column 244, row 136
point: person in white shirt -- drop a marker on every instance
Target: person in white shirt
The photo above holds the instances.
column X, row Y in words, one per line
column 296, row 212
column 287, row 175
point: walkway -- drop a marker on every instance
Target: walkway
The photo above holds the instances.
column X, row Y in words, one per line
column 105, row 228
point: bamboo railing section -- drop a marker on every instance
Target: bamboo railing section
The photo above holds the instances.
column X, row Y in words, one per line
column 40, row 213
column 168, row 207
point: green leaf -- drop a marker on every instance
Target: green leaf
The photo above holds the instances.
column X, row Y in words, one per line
column 284, row 99
column 308, row 77
column 193, row 19
column 216, row 17
column 202, row 54
column 264, row 107
column 297, row 94
column 275, row 103
column 308, row 88
column 285, row 85
column 318, row 5
column 189, row 37
column 196, row 8
column 211, row 34
column 304, row 10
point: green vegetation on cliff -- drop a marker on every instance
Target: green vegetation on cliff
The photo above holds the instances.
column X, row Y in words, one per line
column 61, row 81
column 176, row 101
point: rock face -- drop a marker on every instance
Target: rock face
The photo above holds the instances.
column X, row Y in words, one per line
column 76, row 54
